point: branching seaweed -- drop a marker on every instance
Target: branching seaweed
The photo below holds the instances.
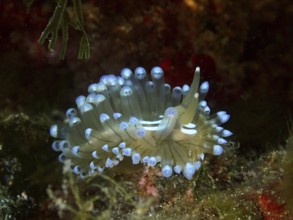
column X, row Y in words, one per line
column 59, row 22
column 85, row 201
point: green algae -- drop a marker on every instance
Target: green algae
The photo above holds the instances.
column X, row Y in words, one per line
column 60, row 23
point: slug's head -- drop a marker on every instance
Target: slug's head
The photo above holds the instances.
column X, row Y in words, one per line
column 142, row 118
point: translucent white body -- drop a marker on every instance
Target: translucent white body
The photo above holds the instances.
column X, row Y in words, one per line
column 133, row 116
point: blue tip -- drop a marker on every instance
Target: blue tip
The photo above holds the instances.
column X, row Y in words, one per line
column 92, row 165
column 63, row 145
column 101, row 87
column 145, row 159
column 126, row 73
column 99, row 98
column 127, row 152
column 203, row 104
column 76, row 170
column 222, row 141
column 157, row 72
column 62, row 158
column 88, row 132
column 54, row 131
column 75, row 150
column 119, row 157
column 152, row 161
column 207, row 110
column 123, row 125
column 95, row 154
column 177, row 169
column 91, row 98
column 171, row 112
column 74, row 121
column 105, row 147
column 104, row 117
column 135, row 158
column 120, row 80
column 71, row 112
column 185, row 88
column 223, row 117
column 140, row 132
column 122, row 145
column 219, row 128
column 217, row 150
column 55, row 146
column 100, row 169
column 126, row 91
column 177, row 90
column 167, row 171
column 117, row 115
column 85, row 107
column 93, row 88
column 115, row 150
column 226, row 133
column 80, row 100
column 109, row 163
column 133, row 120
column 204, row 87
column 111, row 80
column 189, row 170
column 140, row 73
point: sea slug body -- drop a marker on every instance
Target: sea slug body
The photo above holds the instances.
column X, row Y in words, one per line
column 132, row 116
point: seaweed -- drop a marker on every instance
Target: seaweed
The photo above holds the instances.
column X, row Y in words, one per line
column 60, row 22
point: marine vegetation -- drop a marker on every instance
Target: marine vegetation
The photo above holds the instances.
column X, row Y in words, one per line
column 60, row 21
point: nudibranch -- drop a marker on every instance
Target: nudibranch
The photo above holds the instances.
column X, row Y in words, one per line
column 143, row 118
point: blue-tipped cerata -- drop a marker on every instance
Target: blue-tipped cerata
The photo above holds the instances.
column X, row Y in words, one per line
column 142, row 118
